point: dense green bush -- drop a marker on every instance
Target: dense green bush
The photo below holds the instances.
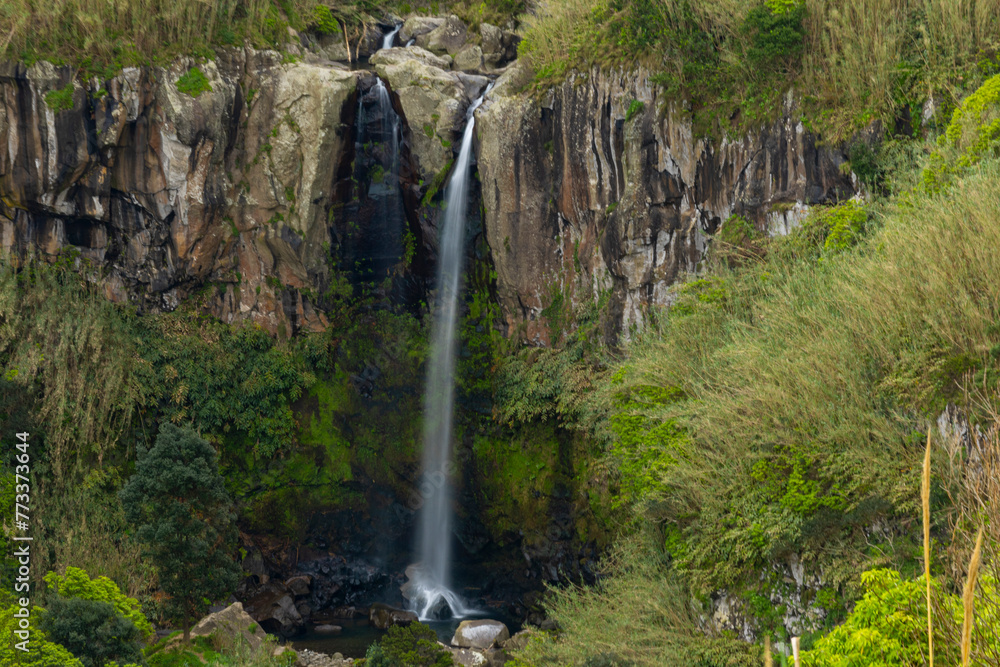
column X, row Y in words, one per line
column 94, row 631
column 414, row 645
column 76, row 584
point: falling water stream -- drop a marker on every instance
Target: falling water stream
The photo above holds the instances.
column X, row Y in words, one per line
column 431, row 592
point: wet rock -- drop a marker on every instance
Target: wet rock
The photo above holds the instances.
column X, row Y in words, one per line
column 433, row 101
column 383, row 617
column 449, row 37
column 481, row 634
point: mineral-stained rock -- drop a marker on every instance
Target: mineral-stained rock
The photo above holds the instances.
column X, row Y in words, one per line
column 383, row 617
column 481, row 634
column 592, row 193
column 167, row 191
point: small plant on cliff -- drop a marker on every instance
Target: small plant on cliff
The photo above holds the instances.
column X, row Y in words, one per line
column 634, row 107
column 60, row 99
column 184, row 519
column 193, row 83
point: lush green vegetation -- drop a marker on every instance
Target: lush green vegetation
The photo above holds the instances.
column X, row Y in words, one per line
column 413, row 645
column 777, row 408
column 729, row 63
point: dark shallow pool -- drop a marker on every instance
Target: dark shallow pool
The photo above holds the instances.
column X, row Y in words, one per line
column 357, row 635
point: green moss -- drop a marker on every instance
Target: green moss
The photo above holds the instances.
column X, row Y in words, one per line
column 193, row 82
column 429, row 130
column 60, row 99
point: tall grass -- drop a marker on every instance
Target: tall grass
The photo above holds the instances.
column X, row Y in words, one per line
column 860, row 59
column 121, row 32
column 639, row 616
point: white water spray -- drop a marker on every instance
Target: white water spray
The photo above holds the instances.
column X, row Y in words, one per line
column 390, row 37
column 430, row 590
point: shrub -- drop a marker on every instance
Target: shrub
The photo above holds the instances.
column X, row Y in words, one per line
column 324, row 21
column 76, row 584
column 94, row 631
column 42, row 653
column 193, row 83
column 414, row 645
column 60, row 99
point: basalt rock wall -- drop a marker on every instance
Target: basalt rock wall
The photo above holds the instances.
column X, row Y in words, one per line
column 598, row 190
column 166, row 191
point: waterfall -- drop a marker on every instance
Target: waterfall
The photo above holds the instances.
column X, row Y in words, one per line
column 431, row 591
column 390, row 37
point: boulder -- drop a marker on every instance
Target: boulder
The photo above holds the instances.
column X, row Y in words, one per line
column 449, row 37
column 482, row 634
column 273, row 606
column 469, row 59
column 307, row 658
column 230, row 626
column 415, row 26
column 433, row 101
column 383, row 617
column 492, row 40
column 299, row 585
column 327, row 629
column 467, row 657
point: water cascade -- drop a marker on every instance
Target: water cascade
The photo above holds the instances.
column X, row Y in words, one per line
column 390, row 37
column 430, row 592
column 370, row 228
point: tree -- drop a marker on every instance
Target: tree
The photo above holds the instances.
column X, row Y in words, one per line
column 184, row 519
column 414, row 645
column 41, row 652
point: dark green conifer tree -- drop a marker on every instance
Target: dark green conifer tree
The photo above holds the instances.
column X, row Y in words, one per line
column 182, row 515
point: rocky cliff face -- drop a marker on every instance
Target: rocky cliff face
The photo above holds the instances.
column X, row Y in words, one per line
column 167, row 192
column 593, row 193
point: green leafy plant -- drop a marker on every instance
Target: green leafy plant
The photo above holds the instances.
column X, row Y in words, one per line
column 76, row 584
column 60, row 99
column 94, row 631
column 193, row 82
column 414, row 645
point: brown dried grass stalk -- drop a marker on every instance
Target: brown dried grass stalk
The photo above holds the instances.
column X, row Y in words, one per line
column 968, row 598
